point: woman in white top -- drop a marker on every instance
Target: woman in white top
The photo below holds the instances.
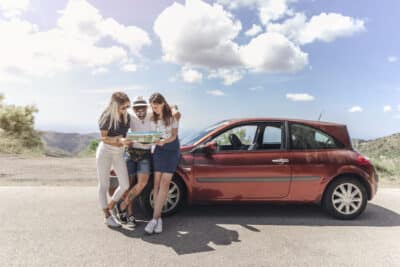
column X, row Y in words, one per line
column 165, row 157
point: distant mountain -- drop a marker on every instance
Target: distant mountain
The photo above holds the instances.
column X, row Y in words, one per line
column 66, row 144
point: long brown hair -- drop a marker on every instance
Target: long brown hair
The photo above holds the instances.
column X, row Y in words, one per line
column 166, row 112
column 111, row 112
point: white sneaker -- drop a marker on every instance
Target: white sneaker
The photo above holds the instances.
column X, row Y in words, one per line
column 110, row 221
column 158, row 228
column 150, row 226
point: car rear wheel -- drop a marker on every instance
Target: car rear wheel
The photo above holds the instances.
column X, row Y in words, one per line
column 175, row 198
column 345, row 198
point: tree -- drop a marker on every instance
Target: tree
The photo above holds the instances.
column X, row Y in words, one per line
column 17, row 122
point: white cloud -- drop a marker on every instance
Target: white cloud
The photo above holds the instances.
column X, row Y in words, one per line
column 268, row 10
column 356, row 109
column 300, row 97
column 254, row 30
column 73, row 43
column 387, row 108
column 198, row 34
column 99, row 70
column 190, row 75
column 392, row 59
column 216, row 92
column 129, row 67
column 323, row 27
column 398, row 107
column 13, row 8
column 229, row 76
column 273, row 52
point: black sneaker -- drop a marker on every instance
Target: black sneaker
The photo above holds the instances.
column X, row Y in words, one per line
column 121, row 215
column 131, row 221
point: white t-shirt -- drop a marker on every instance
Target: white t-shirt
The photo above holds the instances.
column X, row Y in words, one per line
column 166, row 131
column 137, row 125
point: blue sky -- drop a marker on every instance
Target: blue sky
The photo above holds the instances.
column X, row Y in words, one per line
column 301, row 58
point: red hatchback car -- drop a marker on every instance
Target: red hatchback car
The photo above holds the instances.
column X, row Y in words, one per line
column 271, row 160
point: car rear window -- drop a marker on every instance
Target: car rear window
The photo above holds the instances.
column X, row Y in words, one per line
column 306, row 137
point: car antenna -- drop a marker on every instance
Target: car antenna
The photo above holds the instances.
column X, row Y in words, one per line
column 320, row 115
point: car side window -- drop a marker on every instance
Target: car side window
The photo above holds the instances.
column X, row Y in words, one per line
column 272, row 137
column 306, row 137
column 237, row 138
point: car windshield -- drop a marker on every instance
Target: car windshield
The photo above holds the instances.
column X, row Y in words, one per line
column 192, row 139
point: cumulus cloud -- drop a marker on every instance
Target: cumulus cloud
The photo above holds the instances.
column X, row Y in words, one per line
column 229, row 76
column 273, row 52
column 254, row 30
column 198, row 34
column 300, row 97
column 268, row 10
column 324, row 27
column 129, row 67
column 203, row 35
column 73, row 43
column 99, row 70
column 190, row 75
column 387, row 108
column 215, row 92
column 13, row 8
column 392, row 59
column 356, row 109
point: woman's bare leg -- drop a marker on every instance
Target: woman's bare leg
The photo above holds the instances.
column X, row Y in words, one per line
column 143, row 178
column 162, row 194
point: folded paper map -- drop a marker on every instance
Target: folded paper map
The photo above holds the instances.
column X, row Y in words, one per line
column 144, row 137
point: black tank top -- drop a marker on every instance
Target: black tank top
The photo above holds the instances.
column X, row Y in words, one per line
column 121, row 129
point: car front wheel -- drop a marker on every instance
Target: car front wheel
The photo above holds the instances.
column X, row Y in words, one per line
column 175, row 198
column 345, row 198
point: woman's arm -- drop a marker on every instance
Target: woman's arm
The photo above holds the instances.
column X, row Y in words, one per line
column 174, row 134
column 175, row 112
column 114, row 141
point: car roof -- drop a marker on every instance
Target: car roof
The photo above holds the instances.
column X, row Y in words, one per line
column 262, row 119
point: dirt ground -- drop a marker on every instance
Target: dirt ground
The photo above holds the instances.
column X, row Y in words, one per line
column 21, row 170
column 36, row 171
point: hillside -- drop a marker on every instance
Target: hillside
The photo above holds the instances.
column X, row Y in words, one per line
column 388, row 146
column 384, row 153
column 66, row 144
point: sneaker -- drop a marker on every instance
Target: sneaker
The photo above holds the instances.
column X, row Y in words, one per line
column 114, row 211
column 131, row 221
column 150, row 226
column 123, row 217
column 110, row 221
column 158, row 228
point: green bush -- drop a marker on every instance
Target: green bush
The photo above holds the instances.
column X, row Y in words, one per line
column 17, row 128
column 91, row 149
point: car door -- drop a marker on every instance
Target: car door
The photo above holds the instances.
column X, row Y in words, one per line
column 314, row 157
column 259, row 169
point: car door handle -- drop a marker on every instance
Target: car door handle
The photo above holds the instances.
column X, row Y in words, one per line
column 280, row 161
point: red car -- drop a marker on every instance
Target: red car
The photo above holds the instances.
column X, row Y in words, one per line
column 272, row 160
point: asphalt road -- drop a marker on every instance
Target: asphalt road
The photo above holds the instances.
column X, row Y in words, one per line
column 63, row 226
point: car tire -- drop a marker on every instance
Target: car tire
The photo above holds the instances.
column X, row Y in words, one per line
column 345, row 198
column 177, row 197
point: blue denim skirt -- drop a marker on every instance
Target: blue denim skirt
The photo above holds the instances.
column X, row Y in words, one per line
column 166, row 157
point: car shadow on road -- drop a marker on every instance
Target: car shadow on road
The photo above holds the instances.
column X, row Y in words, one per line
column 196, row 228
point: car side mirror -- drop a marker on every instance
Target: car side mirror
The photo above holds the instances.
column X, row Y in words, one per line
column 208, row 148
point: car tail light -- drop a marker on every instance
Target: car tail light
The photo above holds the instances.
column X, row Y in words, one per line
column 112, row 173
column 362, row 160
